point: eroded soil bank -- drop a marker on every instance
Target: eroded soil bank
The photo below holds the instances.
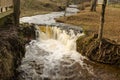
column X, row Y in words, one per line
column 12, row 49
column 105, row 59
column 11, row 52
column 107, row 53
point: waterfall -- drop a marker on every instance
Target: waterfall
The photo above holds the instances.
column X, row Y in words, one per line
column 53, row 56
column 66, row 38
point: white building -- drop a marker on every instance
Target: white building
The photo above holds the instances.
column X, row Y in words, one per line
column 100, row 1
column 108, row 1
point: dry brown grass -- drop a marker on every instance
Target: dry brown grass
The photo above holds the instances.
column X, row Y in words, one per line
column 90, row 22
column 34, row 7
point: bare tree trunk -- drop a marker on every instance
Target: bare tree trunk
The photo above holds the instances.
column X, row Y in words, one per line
column 16, row 12
column 102, row 20
column 67, row 4
column 93, row 5
column 82, row 3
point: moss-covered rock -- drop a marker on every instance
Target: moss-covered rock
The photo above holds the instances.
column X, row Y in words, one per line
column 108, row 52
column 27, row 32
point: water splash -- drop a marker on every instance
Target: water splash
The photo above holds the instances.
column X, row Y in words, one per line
column 66, row 38
column 53, row 56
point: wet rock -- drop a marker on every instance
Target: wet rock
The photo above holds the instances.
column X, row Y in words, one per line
column 27, row 31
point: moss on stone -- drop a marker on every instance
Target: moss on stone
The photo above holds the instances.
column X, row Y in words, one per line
column 27, row 32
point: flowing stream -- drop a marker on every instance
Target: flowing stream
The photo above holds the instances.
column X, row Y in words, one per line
column 53, row 55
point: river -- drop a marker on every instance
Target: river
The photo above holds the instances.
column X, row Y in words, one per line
column 53, row 55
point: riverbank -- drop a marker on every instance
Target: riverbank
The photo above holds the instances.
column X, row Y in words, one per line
column 35, row 7
column 12, row 50
column 55, row 58
column 54, row 53
column 90, row 22
column 13, row 42
column 108, row 53
column 89, row 45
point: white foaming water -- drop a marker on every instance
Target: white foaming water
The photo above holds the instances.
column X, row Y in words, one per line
column 54, row 33
column 42, row 19
column 52, row 56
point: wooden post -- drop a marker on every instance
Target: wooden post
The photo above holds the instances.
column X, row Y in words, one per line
column 100, row 35
column 16, row 4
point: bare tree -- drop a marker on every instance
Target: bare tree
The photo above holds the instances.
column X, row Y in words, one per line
column 93, row 5
column 102, row 20
column 67, row 4
column 16, row 11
